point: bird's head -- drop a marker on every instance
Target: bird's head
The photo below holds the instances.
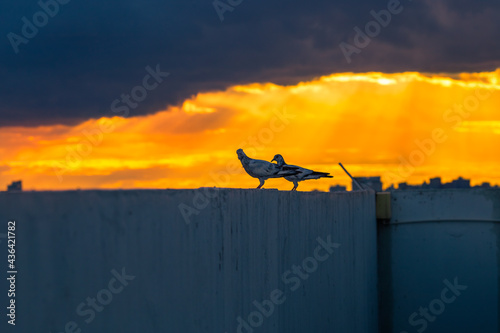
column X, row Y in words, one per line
column 279, row 159
column 240, row 154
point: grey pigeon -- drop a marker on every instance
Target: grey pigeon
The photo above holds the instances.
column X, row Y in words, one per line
column 304, row 174
column 264, row 170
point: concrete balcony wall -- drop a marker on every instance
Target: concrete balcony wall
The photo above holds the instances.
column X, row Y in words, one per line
column 436, row 236
column 238, row 247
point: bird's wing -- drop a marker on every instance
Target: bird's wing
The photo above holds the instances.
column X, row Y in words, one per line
column 304, row 174
column 301, row 173
column 317, row 175
column 289, row 170
column 261, row 168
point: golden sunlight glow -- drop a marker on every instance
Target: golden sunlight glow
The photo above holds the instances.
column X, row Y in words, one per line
column 190, row 107
column 402, row 126
column 479, row 127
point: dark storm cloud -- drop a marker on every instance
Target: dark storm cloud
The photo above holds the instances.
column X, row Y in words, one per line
column 91, row 52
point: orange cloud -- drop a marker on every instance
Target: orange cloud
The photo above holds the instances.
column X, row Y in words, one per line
column 375, row 123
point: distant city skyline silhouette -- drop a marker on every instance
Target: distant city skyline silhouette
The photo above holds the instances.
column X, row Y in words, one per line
column 435, row 183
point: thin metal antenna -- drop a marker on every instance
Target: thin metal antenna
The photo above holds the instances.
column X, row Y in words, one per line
column 353, row 179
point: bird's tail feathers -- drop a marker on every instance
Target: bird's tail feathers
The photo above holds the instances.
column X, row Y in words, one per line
column 290, row 172
column 321, row 174
column 287, row 170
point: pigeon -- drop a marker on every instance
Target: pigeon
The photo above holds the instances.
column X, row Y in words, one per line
column 304, row 174
column 264, row 170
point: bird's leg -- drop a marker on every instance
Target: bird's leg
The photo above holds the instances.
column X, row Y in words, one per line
column 295, row 185
column 261, row 183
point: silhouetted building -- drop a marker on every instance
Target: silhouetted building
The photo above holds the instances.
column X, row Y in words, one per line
column 371, row 182
column 458, row 183
column 15, row 186
column 435, row 182
column 390, row 188
column 338, row 188
column 402, row 186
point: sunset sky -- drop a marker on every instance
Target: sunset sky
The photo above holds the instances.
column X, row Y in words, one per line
column 420, row 100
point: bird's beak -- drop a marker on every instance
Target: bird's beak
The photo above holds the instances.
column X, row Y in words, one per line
column 273, row 160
